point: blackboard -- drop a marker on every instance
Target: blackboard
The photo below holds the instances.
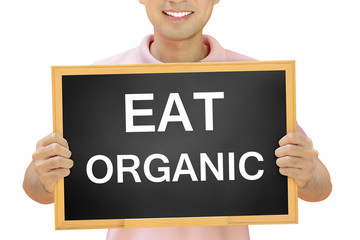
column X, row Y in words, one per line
column 174, row 144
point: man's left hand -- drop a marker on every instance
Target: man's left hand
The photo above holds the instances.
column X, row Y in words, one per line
column 297, row 158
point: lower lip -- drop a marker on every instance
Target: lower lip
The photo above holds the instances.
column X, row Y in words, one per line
column 177, row 18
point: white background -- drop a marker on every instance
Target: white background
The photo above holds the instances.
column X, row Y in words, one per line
column 322, row 36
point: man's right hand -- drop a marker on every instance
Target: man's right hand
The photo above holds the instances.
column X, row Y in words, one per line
column 51, row 160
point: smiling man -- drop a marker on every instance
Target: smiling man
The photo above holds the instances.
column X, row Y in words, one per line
column 178, row 29
column 178, row 37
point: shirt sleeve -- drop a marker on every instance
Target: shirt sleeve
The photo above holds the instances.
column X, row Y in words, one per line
column 300, row 130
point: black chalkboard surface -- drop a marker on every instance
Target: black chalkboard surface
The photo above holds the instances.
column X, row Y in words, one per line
column 174, row 144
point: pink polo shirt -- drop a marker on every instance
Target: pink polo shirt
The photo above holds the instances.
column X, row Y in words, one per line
column 139, row 55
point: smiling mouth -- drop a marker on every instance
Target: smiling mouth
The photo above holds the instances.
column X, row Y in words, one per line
column 177, row 14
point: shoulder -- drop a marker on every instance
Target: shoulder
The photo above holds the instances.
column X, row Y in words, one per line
column 219, row 54
column 234, row 56
column 138, row 55
column 127, row 57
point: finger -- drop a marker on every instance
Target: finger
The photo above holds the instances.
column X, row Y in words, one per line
column 290, row 150
column 301, row 177
column 52, row 138
column 53, row 163
column 290, row 172
column 290, row 162
column 49, row 179
column 51, row 150
column 296, row 139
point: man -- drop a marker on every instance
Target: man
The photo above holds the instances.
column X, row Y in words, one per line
column 178, row 37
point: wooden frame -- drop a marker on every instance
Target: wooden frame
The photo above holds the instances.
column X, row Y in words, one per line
column 59, row 71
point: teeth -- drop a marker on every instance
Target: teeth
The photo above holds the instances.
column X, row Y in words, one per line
column 177, row 14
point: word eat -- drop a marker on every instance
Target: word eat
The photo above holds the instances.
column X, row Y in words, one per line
column 173, row 100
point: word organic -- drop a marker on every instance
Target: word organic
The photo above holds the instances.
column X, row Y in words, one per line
column 184, row 165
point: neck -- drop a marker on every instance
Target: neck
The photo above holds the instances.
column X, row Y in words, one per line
column 172, row 51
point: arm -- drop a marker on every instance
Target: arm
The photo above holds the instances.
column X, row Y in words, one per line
column 50, row 163
column 298, row 159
